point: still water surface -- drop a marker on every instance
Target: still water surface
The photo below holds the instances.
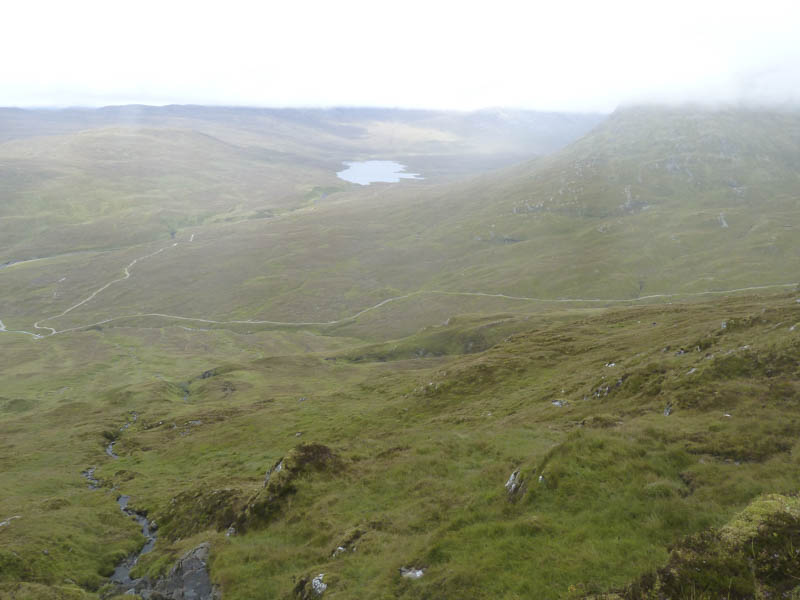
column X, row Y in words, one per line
column 374, row 171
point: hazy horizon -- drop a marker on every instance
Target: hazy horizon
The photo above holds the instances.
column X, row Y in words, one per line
column 576, row 57
column 656, row 104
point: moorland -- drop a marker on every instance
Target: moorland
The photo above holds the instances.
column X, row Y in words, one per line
column 562, row 364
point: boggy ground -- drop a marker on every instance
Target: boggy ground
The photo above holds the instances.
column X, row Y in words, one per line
column 630, row 429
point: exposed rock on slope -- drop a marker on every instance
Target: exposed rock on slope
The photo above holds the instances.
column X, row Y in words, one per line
column 187, row 580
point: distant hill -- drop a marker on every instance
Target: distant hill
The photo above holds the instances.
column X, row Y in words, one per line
column 651, row 201
column 318, row 131
column 648, row 156
column 70, row 175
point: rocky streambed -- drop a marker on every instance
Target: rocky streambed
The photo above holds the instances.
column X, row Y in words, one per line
column 187, row 580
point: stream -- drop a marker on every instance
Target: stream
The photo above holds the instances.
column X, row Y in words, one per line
column 122, row 572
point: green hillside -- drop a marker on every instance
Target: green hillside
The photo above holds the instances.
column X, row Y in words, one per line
column 575, row 376
column 608, row 218
column 645, row 424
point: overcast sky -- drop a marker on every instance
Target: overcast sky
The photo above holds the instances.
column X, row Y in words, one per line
column 554, row 55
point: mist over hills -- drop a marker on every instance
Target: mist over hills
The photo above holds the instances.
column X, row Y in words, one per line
column 564, row 364
column 488, row 131
column 187, row 164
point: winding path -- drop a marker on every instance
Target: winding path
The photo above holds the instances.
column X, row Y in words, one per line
column 127, row 274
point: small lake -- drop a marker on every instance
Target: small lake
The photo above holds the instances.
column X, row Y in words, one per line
column 375, row 171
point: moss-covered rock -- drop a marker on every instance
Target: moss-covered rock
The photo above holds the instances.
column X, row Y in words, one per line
column 281, row 480
column 756, row 555
column 197, row 509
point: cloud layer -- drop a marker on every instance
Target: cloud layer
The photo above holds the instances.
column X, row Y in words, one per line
column 460, row 55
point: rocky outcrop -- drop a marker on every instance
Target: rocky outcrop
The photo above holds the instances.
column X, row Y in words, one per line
column 188, row 579
column 309, row 588
column 197, row 509
column 514, row 483
column 411, row 572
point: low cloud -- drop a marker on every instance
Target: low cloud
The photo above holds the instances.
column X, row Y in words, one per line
column 574, row 56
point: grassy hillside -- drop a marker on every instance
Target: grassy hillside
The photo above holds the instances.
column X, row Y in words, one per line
column 109, row 188
column 644, row 424
column 576, row 377
column 710, row 206
column 652, row 201
column 608, row 218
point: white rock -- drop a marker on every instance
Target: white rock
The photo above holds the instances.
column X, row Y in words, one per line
column 513, row 482
column 8, row 520
column 411, row 572
column 276, row 469
column 317, row 585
